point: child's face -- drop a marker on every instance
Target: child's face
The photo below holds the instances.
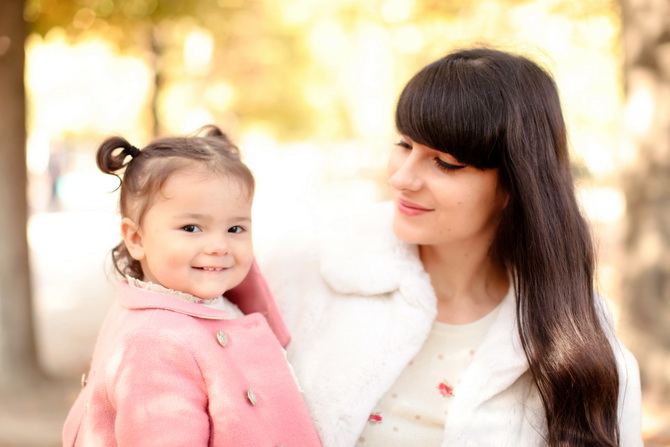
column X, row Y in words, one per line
column 196, row 237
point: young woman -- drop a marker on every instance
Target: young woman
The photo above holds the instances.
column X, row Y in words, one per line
column 464, row 313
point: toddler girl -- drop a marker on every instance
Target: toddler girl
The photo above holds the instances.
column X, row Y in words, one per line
column 177, row 363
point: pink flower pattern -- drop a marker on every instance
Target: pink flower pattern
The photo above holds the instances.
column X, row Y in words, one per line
column 445, row 389
column 375, row 418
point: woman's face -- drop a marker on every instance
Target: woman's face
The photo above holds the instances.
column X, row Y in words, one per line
column 439, row 201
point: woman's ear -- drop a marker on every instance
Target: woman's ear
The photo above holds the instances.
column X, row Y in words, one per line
column 502, row 195
column 505, row 199
column 132, row 237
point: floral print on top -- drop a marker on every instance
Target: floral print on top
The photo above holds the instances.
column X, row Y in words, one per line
column 414, row 410
column 445, row 389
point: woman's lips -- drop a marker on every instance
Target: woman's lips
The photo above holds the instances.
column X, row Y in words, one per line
column 411, row 209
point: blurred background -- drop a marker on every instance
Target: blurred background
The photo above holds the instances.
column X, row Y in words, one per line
column 307, row 89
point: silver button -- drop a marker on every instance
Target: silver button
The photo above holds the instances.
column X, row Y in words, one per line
column 252, row 397
column 222, row 337
column 84, row 380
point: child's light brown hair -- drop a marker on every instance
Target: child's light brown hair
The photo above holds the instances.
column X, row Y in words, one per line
column 143, row 176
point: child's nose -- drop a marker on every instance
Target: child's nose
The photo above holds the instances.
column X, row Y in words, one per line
column 218, row 246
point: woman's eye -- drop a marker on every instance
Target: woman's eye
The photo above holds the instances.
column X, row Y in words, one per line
column 403, row 144
column 447, row 166
column 191, row 228
column 235, row 229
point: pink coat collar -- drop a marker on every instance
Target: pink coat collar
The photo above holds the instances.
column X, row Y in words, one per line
column 251, row 296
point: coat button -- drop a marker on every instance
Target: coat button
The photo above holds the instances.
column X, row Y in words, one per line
column 84, row 380
column 251, row 397
column 222, row 337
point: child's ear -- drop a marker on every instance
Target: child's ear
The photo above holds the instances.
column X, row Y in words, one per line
column 132, row 238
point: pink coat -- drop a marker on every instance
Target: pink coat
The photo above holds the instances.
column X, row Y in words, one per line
column 167, row 372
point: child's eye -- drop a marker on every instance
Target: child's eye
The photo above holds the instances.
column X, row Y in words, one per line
column 447, row 166
column 236, row 229
column 191, row 228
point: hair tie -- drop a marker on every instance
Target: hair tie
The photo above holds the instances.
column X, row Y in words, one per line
column 132, row 151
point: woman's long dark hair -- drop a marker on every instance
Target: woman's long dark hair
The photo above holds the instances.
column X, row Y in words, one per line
column 492, row 109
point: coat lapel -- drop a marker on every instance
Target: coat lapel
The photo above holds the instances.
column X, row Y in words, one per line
column 497, row 365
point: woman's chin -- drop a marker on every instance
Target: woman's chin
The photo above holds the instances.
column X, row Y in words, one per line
column 408, row 234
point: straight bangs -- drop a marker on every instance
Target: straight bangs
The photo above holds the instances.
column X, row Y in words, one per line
column 455, row 108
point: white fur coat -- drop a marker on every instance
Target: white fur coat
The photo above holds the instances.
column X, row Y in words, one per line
column 359, row 306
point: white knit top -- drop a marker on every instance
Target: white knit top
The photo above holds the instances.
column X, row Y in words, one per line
column 414, row 409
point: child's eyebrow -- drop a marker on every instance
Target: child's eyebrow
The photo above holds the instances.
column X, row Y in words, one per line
column 207, row 216
column 191, row 215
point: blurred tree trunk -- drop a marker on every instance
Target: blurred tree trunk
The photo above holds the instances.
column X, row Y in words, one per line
column 158, row 67
column 646, row 34
column 18, row 359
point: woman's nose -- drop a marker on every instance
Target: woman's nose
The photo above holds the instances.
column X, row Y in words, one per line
column 404, row 173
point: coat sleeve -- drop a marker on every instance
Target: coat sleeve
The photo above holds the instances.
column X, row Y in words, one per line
column 630, row 395
column 158, row 392
column 630, row 406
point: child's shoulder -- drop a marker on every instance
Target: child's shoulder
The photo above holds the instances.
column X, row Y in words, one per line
column 190, row 329
column 170, row 323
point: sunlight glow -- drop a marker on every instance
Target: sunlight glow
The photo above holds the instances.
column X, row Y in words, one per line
column 198, row 49
column 394, row 11
column 639, row 111
column 327, row 38
column 369, row 82
column 606, row 205
column 85, row 87
column 182, row 108
column 220, row 96
column 408, row 39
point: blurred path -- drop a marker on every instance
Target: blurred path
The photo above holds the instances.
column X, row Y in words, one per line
column 69, row 253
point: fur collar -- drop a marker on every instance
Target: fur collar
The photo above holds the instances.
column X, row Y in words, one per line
column 360, row 255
